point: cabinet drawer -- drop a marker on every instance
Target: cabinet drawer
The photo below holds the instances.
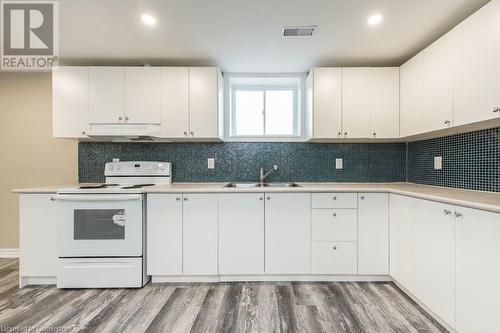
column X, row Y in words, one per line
column 334, row 200
column 330, row 225
column 334, row 258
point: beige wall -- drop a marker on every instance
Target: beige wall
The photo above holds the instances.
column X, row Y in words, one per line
column 29, row 156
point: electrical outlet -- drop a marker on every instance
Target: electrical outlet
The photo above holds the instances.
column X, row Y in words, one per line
column 339, row 163
column 438, row 162
column 211, row 163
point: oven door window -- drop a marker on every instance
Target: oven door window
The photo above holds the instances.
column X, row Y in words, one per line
column 99, row 224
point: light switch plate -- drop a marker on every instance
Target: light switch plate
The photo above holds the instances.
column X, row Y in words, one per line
column 211, row 163
column 438, row 162
column 339, row 164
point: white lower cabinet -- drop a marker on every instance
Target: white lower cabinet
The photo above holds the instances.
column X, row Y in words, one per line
column 434, row 257
column 38, row 235
column 287, row 243
column 241, row 233
column 334, row 225
column 334, row 258
column 477, row 271
column 199, row 234
column 401, row 240
column 164, row 234
column 373, row 233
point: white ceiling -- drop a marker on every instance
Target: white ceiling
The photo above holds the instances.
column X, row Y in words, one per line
column 245, row 36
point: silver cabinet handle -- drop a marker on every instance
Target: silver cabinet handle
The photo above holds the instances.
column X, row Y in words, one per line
column 192, row 133
column 447, row 211
column 458, row 214
column 334, row 198
column 268, row 197
column 339, row 134
column 52, row 199
column 496, row 110
column 185, row 199
column 261, row 198
column 120, row 118
column 447, row 122
column 185, row 133
column 334, row 214
column 126, row 118
column 178, row 198
column 362, row 197
column 374, row 133
column 83, row 132
column 345, row 133
column 334, row 247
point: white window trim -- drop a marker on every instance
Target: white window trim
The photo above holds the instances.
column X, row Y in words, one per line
column 299, row 108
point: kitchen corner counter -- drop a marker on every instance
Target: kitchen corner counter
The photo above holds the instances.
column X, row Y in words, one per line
column 489, row 201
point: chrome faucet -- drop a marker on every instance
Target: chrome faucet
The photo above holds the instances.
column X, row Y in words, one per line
column 264, row 175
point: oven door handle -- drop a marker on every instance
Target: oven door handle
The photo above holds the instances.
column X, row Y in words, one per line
column 97, row 197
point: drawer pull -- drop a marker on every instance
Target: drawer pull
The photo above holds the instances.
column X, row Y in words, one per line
column 334, row 247
column 335, row 198
column 334, row 214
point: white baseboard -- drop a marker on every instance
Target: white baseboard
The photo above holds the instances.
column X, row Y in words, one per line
column 9, row 253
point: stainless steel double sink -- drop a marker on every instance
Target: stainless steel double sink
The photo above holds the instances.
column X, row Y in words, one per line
column 256, row 185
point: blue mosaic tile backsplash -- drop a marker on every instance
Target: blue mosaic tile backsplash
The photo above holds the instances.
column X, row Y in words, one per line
column 470, row 161
column 306, row 162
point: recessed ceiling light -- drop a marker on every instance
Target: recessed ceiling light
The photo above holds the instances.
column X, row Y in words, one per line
column 375, row 19
column 148, row 19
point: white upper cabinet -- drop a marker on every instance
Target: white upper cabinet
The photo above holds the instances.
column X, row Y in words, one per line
column 477, row 66
column 192, row 101
column 478, row 271
column 356, row 102
column 70, row 102
column 106, row 95
column 142, row 95
column 411, row 94
column 204, row 85
column 326, row 98
column 384, row 102
column 437, row 112
column 175, row 102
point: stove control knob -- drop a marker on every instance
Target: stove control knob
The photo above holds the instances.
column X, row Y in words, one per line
column 162, row 167
column 155, row 167
column 117, row 168
column 110, row 167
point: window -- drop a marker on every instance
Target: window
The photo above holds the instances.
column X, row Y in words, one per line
column 264, row 107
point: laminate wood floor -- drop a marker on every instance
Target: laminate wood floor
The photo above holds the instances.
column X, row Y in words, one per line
column 224, row 307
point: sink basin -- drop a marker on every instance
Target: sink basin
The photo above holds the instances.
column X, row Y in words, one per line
column 243, row 185
column 281, row 185
column 255, row 185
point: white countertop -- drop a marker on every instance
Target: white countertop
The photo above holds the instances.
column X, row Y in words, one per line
column 489, row 201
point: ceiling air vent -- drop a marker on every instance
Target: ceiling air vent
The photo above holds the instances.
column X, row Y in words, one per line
column 305, row 31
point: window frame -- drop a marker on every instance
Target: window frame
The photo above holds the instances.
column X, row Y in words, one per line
column 299, row 116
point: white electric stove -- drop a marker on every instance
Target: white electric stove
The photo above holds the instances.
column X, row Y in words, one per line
column 101, row 227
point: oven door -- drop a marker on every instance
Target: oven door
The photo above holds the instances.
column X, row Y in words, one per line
column 99, row 225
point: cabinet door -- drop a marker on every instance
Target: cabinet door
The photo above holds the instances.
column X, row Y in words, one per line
column 329, row 225
column 142, row 95
column 287, row 241
column 401, row 240
column 327, row 103
column 477, row 68
column 241, row 233
column 175, row 102
column 203, row 102
column 373, row 233
column 411, row 94
column 478, row 271
column 106, row 94
column 200, row 234
column 438, row 84
column 356, row 102
column 70, row 102
column 164, row 234
column 384, row 102
column 334, row 258
column 434, row 253
column 38, row 235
